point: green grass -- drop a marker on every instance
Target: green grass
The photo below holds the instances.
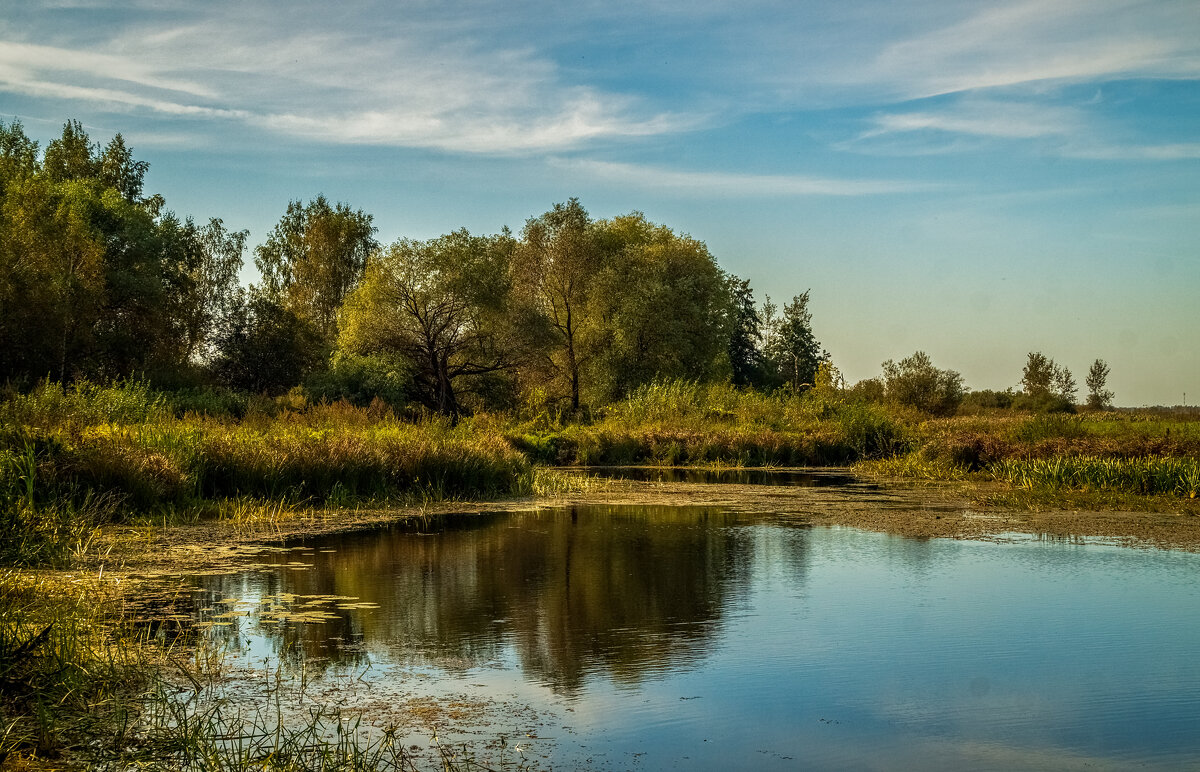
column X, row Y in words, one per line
column 86, row 685
column 1144, row 476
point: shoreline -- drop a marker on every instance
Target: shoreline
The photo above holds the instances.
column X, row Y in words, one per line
column 953, row 510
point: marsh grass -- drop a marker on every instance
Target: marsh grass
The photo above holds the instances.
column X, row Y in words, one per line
column 73, row 459
column 1144, row 476
column 87, row 681
column 690, row 424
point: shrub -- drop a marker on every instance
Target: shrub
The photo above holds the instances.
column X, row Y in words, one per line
column 916, row 382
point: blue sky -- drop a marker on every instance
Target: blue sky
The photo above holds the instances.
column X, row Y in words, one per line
column 974, row 179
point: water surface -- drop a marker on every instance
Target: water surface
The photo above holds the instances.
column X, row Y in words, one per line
column 627, row 637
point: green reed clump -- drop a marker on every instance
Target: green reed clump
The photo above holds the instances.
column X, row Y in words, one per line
column 1146, row 476
column 72, row 672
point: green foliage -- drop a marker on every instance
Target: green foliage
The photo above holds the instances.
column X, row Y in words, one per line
column 791, row 350
column 745, row 341
column 265, row 347
column 1048, row 388
column 915, row 382
column 1098, row 396
column 1145, row 476
column 665, row 307
column 360, row 380
column 989, row 399
column 442, row 306
column 313, row 258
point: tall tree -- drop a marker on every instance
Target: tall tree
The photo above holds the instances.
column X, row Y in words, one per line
column 745, row 355
column 1098, row 397
column 442, row 305
column 207, row 261
column 314, row 257
column 556, row 263
column 791, row 348
column 1037, row 379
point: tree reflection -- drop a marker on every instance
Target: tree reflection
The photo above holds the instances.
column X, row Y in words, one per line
column 623, row 591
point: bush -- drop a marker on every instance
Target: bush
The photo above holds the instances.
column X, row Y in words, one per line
column 916, row 382
column 360, row 380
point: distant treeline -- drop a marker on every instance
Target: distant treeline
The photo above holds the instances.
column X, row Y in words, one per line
column 99, row 281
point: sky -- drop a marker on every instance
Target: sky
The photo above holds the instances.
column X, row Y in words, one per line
column 976, row 180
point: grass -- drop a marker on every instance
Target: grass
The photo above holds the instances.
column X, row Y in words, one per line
column 76, row 458
column 86, row 684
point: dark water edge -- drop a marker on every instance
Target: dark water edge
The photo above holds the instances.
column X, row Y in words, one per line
column 635, row 637
column 721, row 475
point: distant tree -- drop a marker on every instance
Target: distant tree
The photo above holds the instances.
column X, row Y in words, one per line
column 915, row 381
column 441, row 305
column 663, row 309
column 792, row 351
column 1064, row 385
column 1098, row 396
column 745, row 354
column 868, row 390
column 314, row 257
column 1038, row 376
column 1047, row 386
column 208, row 260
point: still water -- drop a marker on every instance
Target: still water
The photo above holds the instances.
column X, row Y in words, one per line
column 635, row 637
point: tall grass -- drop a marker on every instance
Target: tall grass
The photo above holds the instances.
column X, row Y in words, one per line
column 683, row 423
column 83, row 685
column 1147, row 476
column 75, row 458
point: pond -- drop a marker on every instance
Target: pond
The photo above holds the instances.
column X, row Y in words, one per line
column 642, row 637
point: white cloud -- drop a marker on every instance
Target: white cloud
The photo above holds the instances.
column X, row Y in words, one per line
column 317, row 75
column 985, row 118
column 708, row 184
column 1034, row 41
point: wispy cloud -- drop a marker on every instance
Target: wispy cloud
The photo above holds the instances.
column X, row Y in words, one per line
column 410, row 82
column 725, row 184
column 1032, row 42
column 985, row 118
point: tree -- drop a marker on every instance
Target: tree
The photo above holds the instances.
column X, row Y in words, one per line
column 745, row 355
column 441, row 304
column 207, row 260
column 1098, row 396
column 662, row 306
column 792, row 351
column 915, row 381
column 264, row 347
column 1038, row 375
column 314, row 257
column 1047, row 386
column 556, row 263
column 1064, row 385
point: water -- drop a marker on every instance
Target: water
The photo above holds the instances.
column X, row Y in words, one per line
column 632, row 637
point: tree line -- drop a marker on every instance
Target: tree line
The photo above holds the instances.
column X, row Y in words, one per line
column 100, row 281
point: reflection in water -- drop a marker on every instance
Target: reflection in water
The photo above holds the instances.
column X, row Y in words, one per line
column 695, row 638
column 620, row 590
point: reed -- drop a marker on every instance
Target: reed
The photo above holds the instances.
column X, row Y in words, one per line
column 1145, row 476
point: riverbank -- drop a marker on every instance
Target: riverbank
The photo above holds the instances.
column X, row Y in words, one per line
column 916, row 509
